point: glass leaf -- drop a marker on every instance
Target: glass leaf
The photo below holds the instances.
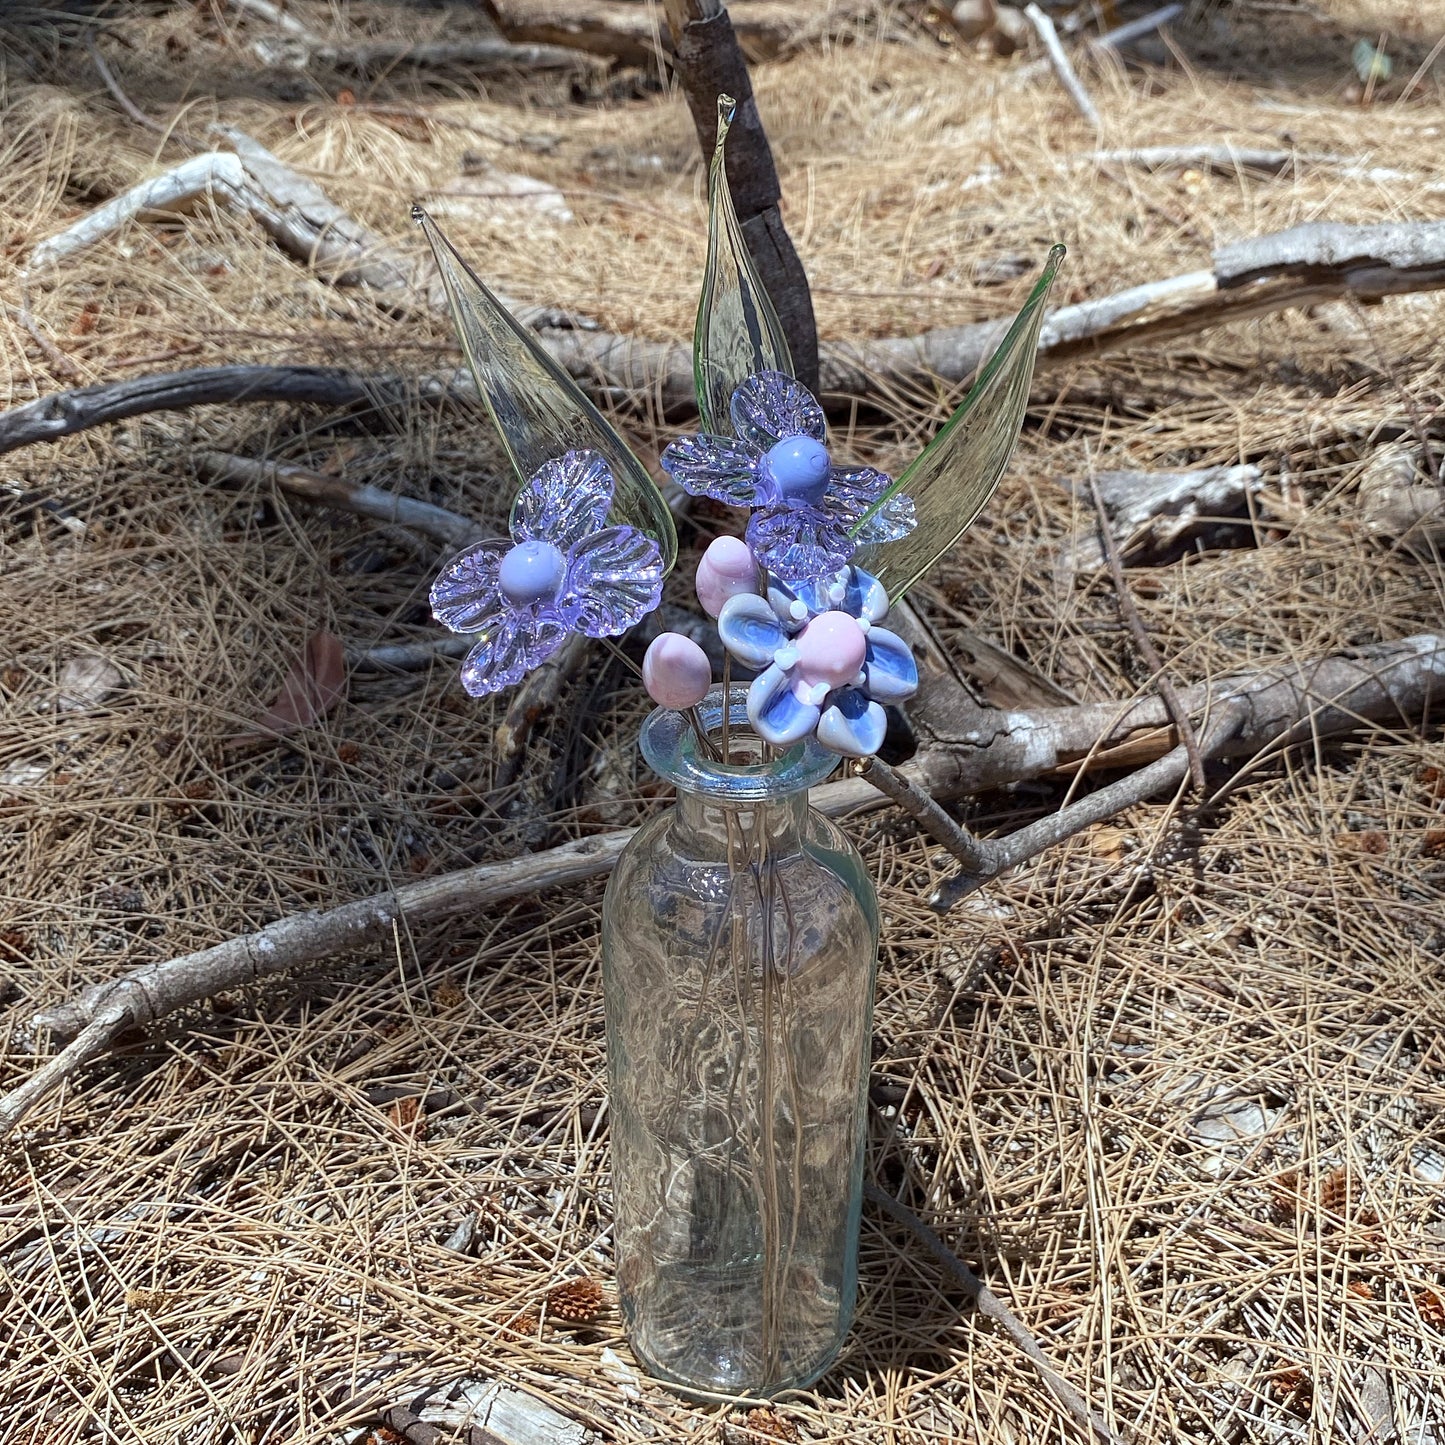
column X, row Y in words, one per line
column 956, row 474
column 737, row 332
column 539, row 411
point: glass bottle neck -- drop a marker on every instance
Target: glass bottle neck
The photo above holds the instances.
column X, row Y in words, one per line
column 736, row 831
column 746, row 808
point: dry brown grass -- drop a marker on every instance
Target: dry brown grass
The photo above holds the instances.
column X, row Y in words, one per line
column 239, row 1220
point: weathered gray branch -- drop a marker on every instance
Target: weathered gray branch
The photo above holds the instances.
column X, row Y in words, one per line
column 628, row 37
column 357, row 497
column 64, row 413
column 1153, row 516
column 1047, row 32
column 1302, row 266
column 1389, row 682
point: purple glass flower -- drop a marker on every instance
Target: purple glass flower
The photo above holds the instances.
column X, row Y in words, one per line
column 778, row 464
column 827, row 668
column 563, row 571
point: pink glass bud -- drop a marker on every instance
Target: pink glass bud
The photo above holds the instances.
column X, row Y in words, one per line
column 830, row 649
column 675, row 671
column 726, row 569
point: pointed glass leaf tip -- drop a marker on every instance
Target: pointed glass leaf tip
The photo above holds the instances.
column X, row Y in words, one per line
column 951, row 481
column 539, row 411
column 737, row 332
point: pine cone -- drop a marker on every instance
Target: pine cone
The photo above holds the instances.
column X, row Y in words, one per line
column 769, row 1423
column 576, row 1301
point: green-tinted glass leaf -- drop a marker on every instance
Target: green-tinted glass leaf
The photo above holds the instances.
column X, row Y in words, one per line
column 952, row 480
column 737, row 330
column 539, row 411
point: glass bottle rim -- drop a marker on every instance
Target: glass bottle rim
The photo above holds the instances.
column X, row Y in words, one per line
column 671, row 749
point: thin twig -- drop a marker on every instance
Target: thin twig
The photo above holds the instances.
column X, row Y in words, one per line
column 1063, row 68
column 1152, row 660
column 1106, row 802
column 992, row 1307
column 531, row 700
column 124, row 101
column 407, row 656
column 973, row 852
column 1133, row 30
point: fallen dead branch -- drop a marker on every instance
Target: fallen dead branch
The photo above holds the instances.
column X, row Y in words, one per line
column 1400, row 502
column 531, row 700
column 1229, row 160
column 1387, row 683
column 628, row 35
column 474, row 55
column 483, row 1411
column 1300, row 267
column 1153, row 516
column 294, row 211
column 1001, row 854
column 1045, row 29
column 298, row 47
column 1132, row 31
column 356, row 497
column 64, row 413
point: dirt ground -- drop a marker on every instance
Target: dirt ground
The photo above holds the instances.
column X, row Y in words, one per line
column 1181, row 1107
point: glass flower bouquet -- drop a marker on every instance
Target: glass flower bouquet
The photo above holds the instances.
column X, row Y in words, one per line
column 740, row 927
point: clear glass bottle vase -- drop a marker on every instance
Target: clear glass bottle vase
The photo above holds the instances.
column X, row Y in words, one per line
column 739, row 950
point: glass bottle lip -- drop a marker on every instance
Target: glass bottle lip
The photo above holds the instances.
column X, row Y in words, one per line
column 670, row 747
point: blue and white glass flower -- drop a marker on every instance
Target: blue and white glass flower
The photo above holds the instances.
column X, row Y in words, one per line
column 827, row 667
column 804, row 509
column 562, row 571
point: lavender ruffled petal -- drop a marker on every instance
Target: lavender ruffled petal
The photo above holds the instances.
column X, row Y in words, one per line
column 568, row 499
column 716, row 467
column 770, row 405
column 614, row 579
column 499, row 657
column 852, row 725
column 775, row 712
column 852, row 490
column 894, row 519
column 466, row 590
column 798, row 543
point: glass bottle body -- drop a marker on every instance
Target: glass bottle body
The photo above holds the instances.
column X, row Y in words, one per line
column 740, row 939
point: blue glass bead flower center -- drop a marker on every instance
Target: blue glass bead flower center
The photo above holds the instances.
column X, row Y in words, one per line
column 798, row 466
column 532, row 572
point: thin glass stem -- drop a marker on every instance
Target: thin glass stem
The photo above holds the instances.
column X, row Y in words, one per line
column 621, row 656
column 727, row 691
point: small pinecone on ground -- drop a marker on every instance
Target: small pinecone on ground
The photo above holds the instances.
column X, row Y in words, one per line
column 576, row 1301
column 1334, row 1191
column 769, row 1423
column 521, row 1327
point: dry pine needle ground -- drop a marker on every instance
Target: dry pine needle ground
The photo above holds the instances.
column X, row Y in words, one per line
column 1186, row 1119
